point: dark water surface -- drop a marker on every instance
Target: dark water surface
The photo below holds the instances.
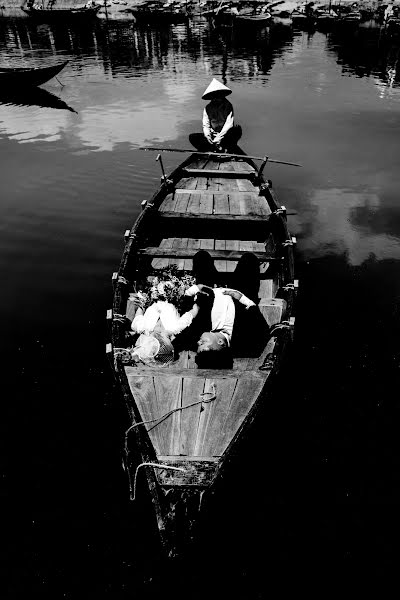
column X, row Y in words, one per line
column 313, row 500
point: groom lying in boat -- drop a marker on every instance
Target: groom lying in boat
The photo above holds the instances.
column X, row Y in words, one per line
column 228, row 322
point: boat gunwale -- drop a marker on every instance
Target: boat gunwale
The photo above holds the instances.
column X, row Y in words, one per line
column 151, row 209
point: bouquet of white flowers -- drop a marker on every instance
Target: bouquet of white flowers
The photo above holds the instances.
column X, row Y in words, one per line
column 168, row 285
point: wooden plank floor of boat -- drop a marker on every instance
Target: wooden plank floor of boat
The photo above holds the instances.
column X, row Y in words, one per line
column 213, row 408
column 213, row 195
column 211, row 404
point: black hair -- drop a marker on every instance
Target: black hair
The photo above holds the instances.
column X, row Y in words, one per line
column 215, row 359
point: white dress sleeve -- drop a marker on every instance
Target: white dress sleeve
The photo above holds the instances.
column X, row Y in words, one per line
column 148, row 321
column 172, row 321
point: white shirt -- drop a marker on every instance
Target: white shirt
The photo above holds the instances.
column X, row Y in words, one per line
column 222, row 312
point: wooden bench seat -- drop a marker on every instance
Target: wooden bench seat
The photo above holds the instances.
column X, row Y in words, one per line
column 251, row 175
column 243, row 203
column 183, row 253
column 166, row 257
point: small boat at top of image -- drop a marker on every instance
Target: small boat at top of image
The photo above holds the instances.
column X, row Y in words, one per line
column 20, row 78
column 303, row 19
column 325, row 18
column 349, row 19
column 45, row 13
column 248, row 13
column 259, row 16
column 158, row 11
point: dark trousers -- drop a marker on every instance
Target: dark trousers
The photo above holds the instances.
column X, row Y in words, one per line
column 229, row 142
column 250, row 328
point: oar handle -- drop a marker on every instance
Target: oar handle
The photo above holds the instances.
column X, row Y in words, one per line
column 217, row 154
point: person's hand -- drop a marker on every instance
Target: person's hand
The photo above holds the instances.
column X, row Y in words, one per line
column 192, row 290
column 137, row 301
column 204, row 296
column 233, row 293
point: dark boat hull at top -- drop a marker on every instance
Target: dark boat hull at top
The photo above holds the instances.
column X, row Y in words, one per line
column 186, row 423
column 60, row 14
column 26, row 78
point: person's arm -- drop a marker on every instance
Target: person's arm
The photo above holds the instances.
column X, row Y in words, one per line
column 227, row 126
column 184, row 321
column 239, row 297
column 229, row 321
column 147, row 321
column 207, row 130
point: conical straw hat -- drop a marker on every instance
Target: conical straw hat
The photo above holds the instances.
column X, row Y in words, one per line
column 216, row 86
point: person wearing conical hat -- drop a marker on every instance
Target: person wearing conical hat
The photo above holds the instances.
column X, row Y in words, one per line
column 220, row 134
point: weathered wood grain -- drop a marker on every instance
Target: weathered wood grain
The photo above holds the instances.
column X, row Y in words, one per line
column 142, row 388
column 169, row 203
column 246, row 393
column 186, row 183
column 191, row 392
column 193, row 206
column 182, row 201
column 225, row 389
column 207, row 244
column 179, row 244
column 193, row 244
column 206, row 203
column 221, row 204
column 207, row 409
column 161, row 263
column 188, row 253
column 232, row 245
column 200, row 373
column 168, row 390
column 220, row 265
column 237, row 174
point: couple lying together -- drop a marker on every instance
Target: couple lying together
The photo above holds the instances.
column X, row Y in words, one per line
column 216, row 322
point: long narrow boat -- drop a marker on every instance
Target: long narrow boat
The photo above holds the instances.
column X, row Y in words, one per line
column 61, row 14
column 250, row 20
column 21, row 78
column 185, row 422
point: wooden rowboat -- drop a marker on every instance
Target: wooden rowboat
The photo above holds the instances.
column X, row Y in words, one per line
column 194, row 418
column 21, row 78
column 61, row 14
column 258, row 19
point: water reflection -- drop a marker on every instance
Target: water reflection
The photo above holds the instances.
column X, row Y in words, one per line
column 367, row 54
column 353, row 224
column 34, row 97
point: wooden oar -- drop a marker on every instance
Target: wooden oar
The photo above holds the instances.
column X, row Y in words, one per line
column 218, row 154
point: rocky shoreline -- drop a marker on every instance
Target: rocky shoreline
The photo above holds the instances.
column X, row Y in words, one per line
column 121, row 8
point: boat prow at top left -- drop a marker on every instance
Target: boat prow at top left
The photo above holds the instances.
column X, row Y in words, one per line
column 19, row 78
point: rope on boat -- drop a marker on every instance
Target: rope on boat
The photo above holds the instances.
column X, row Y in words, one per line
column 160, row 420
column 122, row 353
column 151, row 464
column 122, row 280
column 118, row 317
column 170, row 412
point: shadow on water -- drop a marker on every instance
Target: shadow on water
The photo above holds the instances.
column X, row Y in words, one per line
column 34, row 97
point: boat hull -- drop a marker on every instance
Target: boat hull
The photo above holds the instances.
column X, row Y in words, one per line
column 188, row 423
column 61, row 14
column 19, row 79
